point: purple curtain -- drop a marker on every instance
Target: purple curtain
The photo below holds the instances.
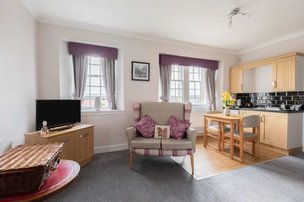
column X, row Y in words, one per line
column 187, row 61
column 80, row 67
column 109, row 81
column 92, row 50
column 210, row 88
column 165, row 80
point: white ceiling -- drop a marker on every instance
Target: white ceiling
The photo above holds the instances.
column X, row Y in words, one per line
column 202, row 22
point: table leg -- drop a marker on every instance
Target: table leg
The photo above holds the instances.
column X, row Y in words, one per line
column 220, row 135
column 205, row 131
column 241, row 142
column 231, row 140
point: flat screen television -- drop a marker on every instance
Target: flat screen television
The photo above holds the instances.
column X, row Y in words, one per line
column 57, row 112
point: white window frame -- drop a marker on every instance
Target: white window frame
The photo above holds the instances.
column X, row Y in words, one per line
column 88, row 95
column 186, row 86
column 177, row 84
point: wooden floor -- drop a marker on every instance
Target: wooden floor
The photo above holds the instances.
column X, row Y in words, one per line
column 209, row 161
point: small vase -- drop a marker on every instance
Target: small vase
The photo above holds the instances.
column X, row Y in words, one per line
column 97, row 104
column 227, row 111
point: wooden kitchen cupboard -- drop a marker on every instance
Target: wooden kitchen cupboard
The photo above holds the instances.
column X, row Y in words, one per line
column 287, row 73
column 78, row 142
column 262, row 125
column 283, row 74
column 282, row 130
column 275, row 129
column 236, row 79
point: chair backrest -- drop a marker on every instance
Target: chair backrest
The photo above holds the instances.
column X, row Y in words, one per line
column 251, row 121
column 161, row 111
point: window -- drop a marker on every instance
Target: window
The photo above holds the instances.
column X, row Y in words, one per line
column 196, row 86
column 94, row 84
column 187, row 85
column 177, row 82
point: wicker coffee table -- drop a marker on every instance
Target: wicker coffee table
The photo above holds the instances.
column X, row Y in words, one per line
column 59, row 179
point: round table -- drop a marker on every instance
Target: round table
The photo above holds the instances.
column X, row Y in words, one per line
column 59, row 178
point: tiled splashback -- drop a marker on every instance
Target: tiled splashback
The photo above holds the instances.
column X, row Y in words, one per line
column 272, row 98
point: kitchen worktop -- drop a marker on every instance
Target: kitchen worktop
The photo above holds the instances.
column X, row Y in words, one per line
column 271, row 109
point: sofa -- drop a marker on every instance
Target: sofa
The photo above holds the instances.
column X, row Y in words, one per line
column 161, row 112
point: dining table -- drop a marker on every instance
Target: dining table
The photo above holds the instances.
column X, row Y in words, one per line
column 232, row 120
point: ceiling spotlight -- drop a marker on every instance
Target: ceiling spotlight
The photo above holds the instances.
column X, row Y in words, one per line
column 236, row 11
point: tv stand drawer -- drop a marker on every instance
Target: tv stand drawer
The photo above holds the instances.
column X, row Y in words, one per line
column 78, row 142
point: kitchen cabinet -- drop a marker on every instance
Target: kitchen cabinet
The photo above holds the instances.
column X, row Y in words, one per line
column 283, row 74
column 282, row 130
column 236, row 80
column 262, row 123
column 275, row 74
column 78, row 142
column 287, row 73
column 275, row 129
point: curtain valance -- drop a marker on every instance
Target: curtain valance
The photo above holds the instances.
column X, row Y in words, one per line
column 187, row 61
column 81, row 49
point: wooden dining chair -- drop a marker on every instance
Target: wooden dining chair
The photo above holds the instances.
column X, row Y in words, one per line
column 213, row 131
column 247, row 131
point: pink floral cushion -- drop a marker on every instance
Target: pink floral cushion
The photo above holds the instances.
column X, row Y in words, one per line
column 146, row 126
column 178, row 127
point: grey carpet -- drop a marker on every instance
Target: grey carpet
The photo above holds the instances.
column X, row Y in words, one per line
column 108, row 178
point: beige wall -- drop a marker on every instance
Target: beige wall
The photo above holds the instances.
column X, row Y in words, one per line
column 109, row 128
column 18, row 76
column 286, row 46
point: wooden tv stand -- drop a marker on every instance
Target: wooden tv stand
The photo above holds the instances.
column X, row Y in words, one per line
column 78, row 142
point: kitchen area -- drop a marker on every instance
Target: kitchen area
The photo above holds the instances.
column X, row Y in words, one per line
column 273, row 88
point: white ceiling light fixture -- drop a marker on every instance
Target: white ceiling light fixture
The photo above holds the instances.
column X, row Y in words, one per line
column 236, row 11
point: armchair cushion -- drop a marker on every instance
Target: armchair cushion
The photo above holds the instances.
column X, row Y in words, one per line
column 142, row 143
column 176, row 144
column 178, row 127
column 146, row 126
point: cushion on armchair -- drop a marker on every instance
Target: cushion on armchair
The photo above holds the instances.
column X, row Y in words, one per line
column 146, row 126
column 178, row 127
column 162, row 131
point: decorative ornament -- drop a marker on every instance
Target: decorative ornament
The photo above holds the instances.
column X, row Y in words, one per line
column 44, row 130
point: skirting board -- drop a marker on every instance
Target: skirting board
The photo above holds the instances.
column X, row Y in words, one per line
column 110, row 148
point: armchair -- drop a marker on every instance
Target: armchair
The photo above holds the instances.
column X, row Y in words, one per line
column 160, row 112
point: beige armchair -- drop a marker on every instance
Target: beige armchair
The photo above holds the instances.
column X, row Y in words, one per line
column 161, row 112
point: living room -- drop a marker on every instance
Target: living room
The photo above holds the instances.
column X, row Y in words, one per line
column 34, row 51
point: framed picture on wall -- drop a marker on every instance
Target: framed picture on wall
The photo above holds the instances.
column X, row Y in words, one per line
column 140, row 71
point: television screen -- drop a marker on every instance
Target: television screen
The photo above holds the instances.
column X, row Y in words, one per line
column 57, row 112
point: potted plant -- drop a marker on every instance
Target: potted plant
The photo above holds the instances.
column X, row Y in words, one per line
column 227, row 101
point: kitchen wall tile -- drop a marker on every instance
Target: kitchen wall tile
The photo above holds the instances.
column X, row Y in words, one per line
column 292, row 93
column 272, row 98
column 281, row 93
